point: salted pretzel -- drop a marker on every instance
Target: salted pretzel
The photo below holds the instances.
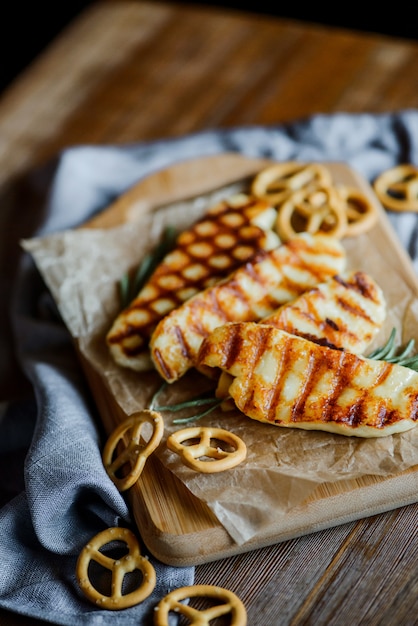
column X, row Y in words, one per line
column 279, row 181
column 229, row 604
column 119, row 567
column 200, row 448
column 134, row 451
column 361, row 213
column 397, row 188
column 313, row 210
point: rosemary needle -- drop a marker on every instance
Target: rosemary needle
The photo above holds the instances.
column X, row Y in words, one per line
column 124, row 290
column 194, row 418
column 386, row 350
column 156, row 395
column 193, row 402
column 186, row 404
column 389, row 354
column 128, row 287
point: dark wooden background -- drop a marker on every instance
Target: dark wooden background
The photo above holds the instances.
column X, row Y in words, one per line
column 27, row 32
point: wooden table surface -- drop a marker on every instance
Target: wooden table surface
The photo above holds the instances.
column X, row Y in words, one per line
column 138, row 71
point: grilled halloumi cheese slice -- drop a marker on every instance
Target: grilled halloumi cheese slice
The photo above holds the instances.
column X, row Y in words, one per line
column 288, row 381
column 250, row 293
column 227, row 235
column 345, row 312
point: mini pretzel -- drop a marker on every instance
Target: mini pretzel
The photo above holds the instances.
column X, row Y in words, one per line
column 132, row 561
column 318, row 210
column 205, row 443
column 397, row 188
column 360, row 211
column 134, row 452
column 229, row 604
column 277, row 182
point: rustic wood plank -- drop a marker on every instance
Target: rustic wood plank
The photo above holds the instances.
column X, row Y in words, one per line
column 126, row 71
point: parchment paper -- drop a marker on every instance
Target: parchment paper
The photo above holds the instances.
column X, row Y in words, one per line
column 82, row 269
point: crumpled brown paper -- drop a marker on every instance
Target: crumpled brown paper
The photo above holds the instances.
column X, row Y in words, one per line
column 82, row 268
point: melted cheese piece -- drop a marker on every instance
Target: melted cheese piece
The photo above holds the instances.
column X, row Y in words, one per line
column 345, row 312
column 252, row 292
column 288, row 381
column 227, row 235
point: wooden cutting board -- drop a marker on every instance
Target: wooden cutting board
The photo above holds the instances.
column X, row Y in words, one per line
column 176, row 526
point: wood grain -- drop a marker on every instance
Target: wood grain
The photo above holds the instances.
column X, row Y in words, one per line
column 129, row 71
column 136, row 71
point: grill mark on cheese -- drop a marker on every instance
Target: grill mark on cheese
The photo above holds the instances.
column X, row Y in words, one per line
column 298, row 408
column 345, row 313
column 253, row 358
column 284, row 364
column 288, row 381
column 355, row 310
column 343, row 368
column 214, row 246
column 182, row 341
column 162, row 365
column 233, row 348
column 253, row 291
column 360, row 283
column 331, row 323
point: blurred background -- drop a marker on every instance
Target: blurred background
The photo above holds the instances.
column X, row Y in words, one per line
column 29, row 27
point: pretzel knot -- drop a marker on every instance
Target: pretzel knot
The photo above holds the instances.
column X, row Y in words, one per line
column 278, row 182
column 397, row 188
column 360, row 211
column 119, row 567
column 207, row 449
column 229, row 604
column 134, row 451
column 312, row 210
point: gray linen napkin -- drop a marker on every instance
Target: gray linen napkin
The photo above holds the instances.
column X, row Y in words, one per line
column 62, row 495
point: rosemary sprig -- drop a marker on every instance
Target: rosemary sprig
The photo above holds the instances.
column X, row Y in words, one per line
column 125, row 290
column 385, row 351
column 411, row 363
column 201, row 400
column 130, row 286
column 388, row 352
column 156, row 395
column 186, row 404
column 216, row 402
